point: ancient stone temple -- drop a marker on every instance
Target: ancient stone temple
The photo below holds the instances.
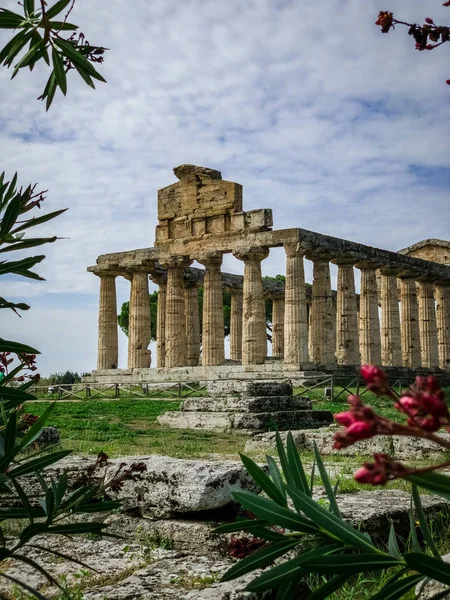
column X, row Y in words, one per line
column 401, row 318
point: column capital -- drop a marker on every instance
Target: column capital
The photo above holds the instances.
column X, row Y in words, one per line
column 368, row 265
column 390, row 270
column 256, row 254
column 344, row 260
column 170, row 262
column 158, row 278
column 293, row 249
column 442, row 282
column 319, row 256
column 106, row 272
column 408, row 275
column 209, row 259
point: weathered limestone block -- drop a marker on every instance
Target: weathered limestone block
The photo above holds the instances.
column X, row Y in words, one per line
column 107, row 321
column 347, row 341
column 295, row 317
column 427, row 325
column 192, row 325
column 278, row 315
column 213, row 352
column 254, row 340
column 249, row 389
column 391, row 347
column 443, row 324
column 246, row 422
column 432, row 588
column 369, row 322
column 321, row 330
column 176, row 339
column 410, row 323
column 255, row 404
column 139, row 324
column 236, row 325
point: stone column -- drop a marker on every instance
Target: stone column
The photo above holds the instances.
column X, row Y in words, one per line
column 278, row 317
column 108, row 352
column 443, row 323
column 295, row 317
column 236, row 325
column 369, row 321
column 176, row 338
column 213, row 352
column 254, row 339
column 192, row 324
column 321, row 330
column 410, row 323
column 347, row 339
column 139, row 324
column 391, row 346
column 161, row 281
column 427, row 325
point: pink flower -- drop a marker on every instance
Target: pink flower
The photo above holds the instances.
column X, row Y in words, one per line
column 344, row 418
column 435, row 406
column 382, row 470
column 376, row 380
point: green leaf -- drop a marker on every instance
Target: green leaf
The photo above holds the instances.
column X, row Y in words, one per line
column 394, row 550
column 29, row 7
column 10, row 216
column 263, row 480
column 20, row 266
column 15, row 394
column 288, row 591
column 433, row 568
column 283, row 459
column 11, row 189
column 60, row 71
column 276, row 478
column 434, row 482
column 295, row 465
column 423, row 522
column 413, row 533
column 10, row 432
column 87, row 78
column 242, row 525
column 62, row 26
column 21, row 584
column 326, row 482
column 9, row 20
column 329, row 587
column 291, row 570
column 35, row 430
column 51, row 90
column 78, row 528
column 14, row 46
column 95, row 507
column 38, row 463
column 260, row 558
column 30, row 57
column 350, row 564
column 329, row 523
column 13, row 305
column 39, row 220
column 275, row 514
column 8, row 346
column 397, row 588
column 56, row 8
column 268, row 534
column 20, row 513
column 30, row 243
column 76, row 57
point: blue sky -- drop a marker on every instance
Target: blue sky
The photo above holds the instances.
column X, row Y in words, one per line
column 336, row 127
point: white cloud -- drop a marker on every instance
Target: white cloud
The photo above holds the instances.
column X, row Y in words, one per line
column 309, row 106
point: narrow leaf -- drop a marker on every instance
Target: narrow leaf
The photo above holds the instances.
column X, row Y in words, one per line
column 394, row 550
column 329, row 587
column 342, row 564
column 276, row 478
column 8, row 346
column 56, row 8
column 242, row 525
column 60, row 71
column 413, row 533
column 433, row 568
column 260, row 558
column 423, row 522
column 38, row 463
column 296, row 466
column 394, row 590
column 38, row 220
column 263, row 480
column 434, row 482
column 326, row 482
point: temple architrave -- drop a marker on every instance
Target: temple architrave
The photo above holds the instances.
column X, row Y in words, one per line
column 400, row 320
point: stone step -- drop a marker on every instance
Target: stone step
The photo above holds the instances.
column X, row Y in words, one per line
column 249, row 389
column 242, row 422
column 252, row 405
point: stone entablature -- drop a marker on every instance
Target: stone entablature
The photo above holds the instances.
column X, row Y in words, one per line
column 201, row 218
column 432, row 249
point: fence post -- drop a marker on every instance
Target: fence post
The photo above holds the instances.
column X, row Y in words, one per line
column 116, row 390
column 88, row 391
column 332, row 388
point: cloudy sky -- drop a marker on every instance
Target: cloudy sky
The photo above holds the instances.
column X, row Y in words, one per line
column 337, row 127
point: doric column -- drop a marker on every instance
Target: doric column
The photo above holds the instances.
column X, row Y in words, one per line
column 108, row 352
column 443, row 322
column 391, row 346
column 347, row 338
column 161, row 281
column 278, row 317
column 427, row 324
column 176, row 339
column 321, row 330
column 236, row 325
column 213, row 352
column 295, row 317
column 409, row 323
column 192, row 323
column 254, row 339
column 139, row 324
column 369, row 321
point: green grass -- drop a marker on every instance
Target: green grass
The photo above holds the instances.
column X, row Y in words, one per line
column 129, row 427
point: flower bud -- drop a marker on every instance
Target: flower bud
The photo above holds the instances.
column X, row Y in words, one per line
column 429, row 21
